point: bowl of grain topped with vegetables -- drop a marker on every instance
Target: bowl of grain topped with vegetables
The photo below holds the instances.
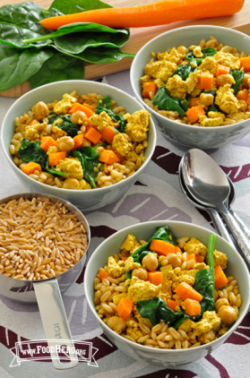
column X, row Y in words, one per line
column 167, row 292
column 195, row 81
column 83, row 141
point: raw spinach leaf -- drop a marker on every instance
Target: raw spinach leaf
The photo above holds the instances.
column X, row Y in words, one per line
column 104, row 105
column 156, row 310
column 213, row 108
column 184, row 102
column 184, row 70
column 75, row 6
column 238, row 76
column 210, row 51
column 58, row 67
column 89, row 34
column 88, row 157
column 166, row 102
column 31, row 151
column 100, row 55
column 204, row 280
column 16, row 67
column 22, row 21
column 70, row 128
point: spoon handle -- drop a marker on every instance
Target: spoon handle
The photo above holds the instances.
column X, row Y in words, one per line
column 239, row 235
column 241, row 224
column 219, row 225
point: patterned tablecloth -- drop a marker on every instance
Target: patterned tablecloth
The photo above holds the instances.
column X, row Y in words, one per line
column 157, row 195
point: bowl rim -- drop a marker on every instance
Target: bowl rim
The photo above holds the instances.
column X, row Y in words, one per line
column 148, row 348
column 167, row 34
column 62, row 190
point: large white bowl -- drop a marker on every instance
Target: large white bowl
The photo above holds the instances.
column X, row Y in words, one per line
column 192, row 136
column 167, row 358
column 91, row 199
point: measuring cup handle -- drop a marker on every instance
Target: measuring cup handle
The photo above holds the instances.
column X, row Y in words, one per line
column 55, row 322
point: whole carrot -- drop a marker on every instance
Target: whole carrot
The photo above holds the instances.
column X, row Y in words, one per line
column 159, row 13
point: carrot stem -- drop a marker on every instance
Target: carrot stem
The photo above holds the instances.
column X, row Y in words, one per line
column 157, row 13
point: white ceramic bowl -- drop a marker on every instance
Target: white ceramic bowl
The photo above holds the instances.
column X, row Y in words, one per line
column 192, row 136
column 91, row 199
column 159, row 357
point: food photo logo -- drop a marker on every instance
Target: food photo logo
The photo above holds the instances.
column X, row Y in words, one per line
column 48, row 350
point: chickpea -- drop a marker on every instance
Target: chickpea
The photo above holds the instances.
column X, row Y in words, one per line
column 221, row 302
column 78, row 117
column 245, row 79
column 66, row 143
column 205, row 338
column 41, row 110
column 116, row 323
column 150, row 262
column 221, row 80
column 227, row 314
column 206, row 99
column 174, row 260
column 140, row 273
column 71, row 183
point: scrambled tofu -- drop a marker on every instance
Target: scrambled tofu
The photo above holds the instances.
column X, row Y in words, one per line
column 192, row 81
column 84, row 185
column 197, row 52
column 209, row 64
column 210, row 321
column 121, row 144
column 228, row 60
column 238, row 116
column 102, row 120
column 142, row 290
column 130, row 243
column 213, row 119
column 226, row 100
column 137, row 125
column 130, row 264
column 115, row 268
column 196, row 247
column 71, row 167
column 161, row 69
column 184, row 278
column 220, row 259
column 187, row 325
column 52, row 149
column 37, row 131
column 118, row 297
column 136, row 333
column 177, row 87
column 64, row 105
column 174, row 56
column 57, row 133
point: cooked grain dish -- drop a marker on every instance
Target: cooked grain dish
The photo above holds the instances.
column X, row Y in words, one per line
column 205, row 85
column 167, row 293
column 80, row 142
column 39, row 239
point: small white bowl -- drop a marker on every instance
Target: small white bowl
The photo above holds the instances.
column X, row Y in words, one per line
column 188, row 135
column 91, row 199
column 160, row 357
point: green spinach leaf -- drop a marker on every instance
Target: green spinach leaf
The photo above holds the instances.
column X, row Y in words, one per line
column 238, row 76
column 104, row 105
column 16, row 67
column 210, row 51
column 184, row 70
column 70, row 128
column 166, row 102
column 75, row 6
column 31, row 151
column 213, row 108
column 204, row 281
column 58, row 67
column 22, row 21
column 88, row 157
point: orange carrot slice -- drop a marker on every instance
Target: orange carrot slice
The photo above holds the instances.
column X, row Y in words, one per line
column 172, row 304
column 55, row 157
column 242, row 95
column 195, row 113
column 34, row 122
column 124, row 308
column 31, row 167
column 147, row 88
column 161, row 247
column 78, row 140
column 75, row 107
column 108, row 157
column 186, row 291
column 108, row 134
column 104, row 274
column 194, row 101
column 222, row 70
column 156, row 278
column 93, row 135
column 192, row 307
column 220, row 278
column 206, row 81
column 245, row 63
column 47, row 142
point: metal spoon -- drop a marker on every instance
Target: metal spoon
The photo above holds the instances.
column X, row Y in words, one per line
column 208, row 185
column 214, row 215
